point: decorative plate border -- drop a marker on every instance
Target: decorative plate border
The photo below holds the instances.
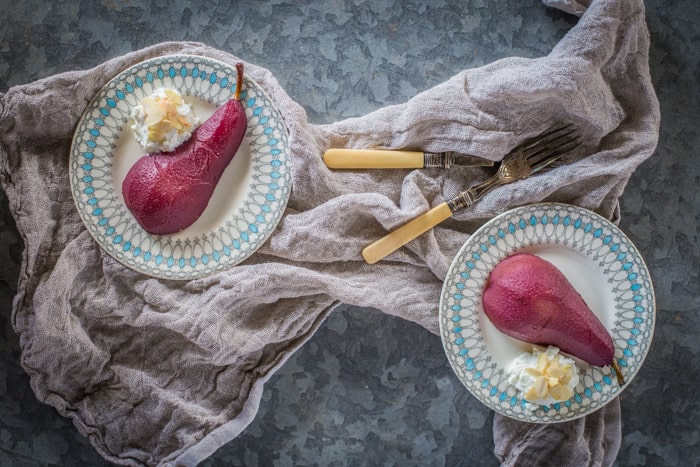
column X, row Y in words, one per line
column 109, row 221
column 461, row 308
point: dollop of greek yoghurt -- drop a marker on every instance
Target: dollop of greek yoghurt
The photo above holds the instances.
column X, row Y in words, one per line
column 163, row 121
column 543, row 376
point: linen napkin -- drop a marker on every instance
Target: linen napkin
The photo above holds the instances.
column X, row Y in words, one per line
column 158, row 372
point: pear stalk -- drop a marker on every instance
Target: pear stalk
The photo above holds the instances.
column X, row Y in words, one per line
column 618, row 373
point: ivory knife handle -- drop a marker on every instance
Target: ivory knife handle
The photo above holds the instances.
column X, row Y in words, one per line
column 407, row 232
column 344, row 158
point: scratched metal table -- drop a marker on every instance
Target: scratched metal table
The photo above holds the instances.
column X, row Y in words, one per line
column 351, row 396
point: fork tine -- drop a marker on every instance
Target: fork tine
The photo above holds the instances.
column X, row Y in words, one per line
column 550, row 143
column 535, row 145
column 555, row 155
column 545, row 137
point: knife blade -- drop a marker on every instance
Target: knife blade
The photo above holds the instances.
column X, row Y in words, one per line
column 346, row 158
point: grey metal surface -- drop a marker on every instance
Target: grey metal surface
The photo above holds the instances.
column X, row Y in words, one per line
column 370, row 389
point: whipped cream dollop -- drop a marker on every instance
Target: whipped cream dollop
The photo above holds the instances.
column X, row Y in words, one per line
column 163, row 121
column 543, row 376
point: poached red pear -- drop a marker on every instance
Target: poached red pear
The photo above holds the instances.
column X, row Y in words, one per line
column 530, row 299
column 168, row 192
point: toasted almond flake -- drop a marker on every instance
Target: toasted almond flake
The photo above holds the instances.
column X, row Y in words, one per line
column 538, row 389
column 560, row 392
column 155, row 136
column 173, row 96
column 551, row 381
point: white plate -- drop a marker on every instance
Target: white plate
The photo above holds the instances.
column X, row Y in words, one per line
column 600, row 262
column 247, row 203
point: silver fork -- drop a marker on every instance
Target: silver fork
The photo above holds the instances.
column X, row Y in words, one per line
column 521, row 162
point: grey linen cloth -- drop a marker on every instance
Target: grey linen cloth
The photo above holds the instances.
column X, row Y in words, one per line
column 165, row 372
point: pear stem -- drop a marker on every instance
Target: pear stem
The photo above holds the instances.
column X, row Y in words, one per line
column 239, row 81
column 618, row 373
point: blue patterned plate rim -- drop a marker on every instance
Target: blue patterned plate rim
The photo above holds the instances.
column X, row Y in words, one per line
column 248, row 202
column 602, row 264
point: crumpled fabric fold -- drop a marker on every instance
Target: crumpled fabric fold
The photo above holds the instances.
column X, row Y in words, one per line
column 158, row 372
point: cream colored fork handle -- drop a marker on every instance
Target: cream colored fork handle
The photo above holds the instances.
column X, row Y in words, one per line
column 343, row 158
column 407, row 232
column 426, row 221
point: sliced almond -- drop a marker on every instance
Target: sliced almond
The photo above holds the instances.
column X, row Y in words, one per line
column 551, row 382
column 173, row 96
column 155, row 136
column 183, row 121
column 532, row 372
column 565, row 373
column 173, row 123
column 538, row 389
column 560, row 392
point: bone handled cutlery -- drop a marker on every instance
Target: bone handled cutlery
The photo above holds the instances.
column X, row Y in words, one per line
column 523, row 161
column 347, row 158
